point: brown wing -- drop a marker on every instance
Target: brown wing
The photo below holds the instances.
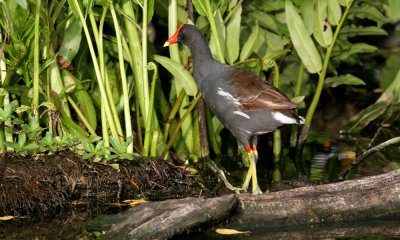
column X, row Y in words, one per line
column 256, row 94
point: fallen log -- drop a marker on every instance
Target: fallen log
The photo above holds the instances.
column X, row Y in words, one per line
column 374, row 197
column 367, row 198
column 162, row 220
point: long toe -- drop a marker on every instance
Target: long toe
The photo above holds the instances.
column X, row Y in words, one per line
column 256, row 190
column 231, row 187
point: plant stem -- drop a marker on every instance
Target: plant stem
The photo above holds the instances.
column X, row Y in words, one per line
column 211, row 134
column 81, row 116
column 139, row 127
column 179, row 124
column 277, row 147
column 214, row 32
column 188, row 128
column 299, row 84
column 104, row 129
column 36, row 64
column 300, row 78
column 231, row 11
column 173, row 112
column 154, row 144
column 368, row 153
column 321, row 79
column 103, row 70
column 204, row 149
column 145, row 80
column 104, row 97
column 149, row 121
column 127, row 115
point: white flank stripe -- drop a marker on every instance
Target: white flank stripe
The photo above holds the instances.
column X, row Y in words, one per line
column 242, row 114
column 282, row 118
column 302, row 120
column 228, row 96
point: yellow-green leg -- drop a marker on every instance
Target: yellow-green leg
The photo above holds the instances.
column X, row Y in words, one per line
column 223, row 177
column 252, row 172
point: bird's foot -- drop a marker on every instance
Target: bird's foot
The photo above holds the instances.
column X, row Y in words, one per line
column 256, row 190
column 228, row 185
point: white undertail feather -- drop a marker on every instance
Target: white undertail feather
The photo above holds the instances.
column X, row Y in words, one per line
column 301, row 120
column 282, row 118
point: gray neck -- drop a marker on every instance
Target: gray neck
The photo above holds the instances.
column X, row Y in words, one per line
column 201, row 54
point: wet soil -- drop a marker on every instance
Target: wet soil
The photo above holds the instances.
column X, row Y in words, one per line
column 48, row 182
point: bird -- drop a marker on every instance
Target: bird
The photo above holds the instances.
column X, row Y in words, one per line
column 246, row 104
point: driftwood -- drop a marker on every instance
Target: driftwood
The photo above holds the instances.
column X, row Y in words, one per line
column 162, row 220
column 368, row 198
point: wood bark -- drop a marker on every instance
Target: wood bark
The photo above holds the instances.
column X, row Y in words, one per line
column 366, row 198
column 162, row 220
column 373, row 197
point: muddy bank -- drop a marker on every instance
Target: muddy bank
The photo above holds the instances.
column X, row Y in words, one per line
column 48, row 182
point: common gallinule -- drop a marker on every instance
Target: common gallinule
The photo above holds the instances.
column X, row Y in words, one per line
column 245, row 103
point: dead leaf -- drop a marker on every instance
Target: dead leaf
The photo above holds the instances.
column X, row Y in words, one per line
column 227, row 231
column 134, row 202
column 6, row 218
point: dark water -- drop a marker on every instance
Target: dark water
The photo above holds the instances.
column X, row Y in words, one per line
column 384, row 229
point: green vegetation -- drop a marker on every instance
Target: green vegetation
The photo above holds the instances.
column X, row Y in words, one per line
column 87, row 75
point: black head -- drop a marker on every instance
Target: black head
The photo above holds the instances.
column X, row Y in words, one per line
column 184, row 34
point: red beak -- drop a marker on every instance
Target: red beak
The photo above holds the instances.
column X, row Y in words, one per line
column 174, row 38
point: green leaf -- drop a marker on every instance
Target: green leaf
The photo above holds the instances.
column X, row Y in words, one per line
column 362, row 119
column 268, row 21
column 200, row 7
column 394, row 87
column 221, row 31
column 393, row 9
column 390, row 71
column 73, row 7
column 248, row 46
column 322, row 30
column 115, row 143
column 307, row 12
column 368, row 12
column 21, row 139
column 71, row 40
column 70, row 125
column 114, row 165
column 344, row 2
column 182, row 76
column 356, row 48
column 275, row 42
column 233, row 36
column 334, row 12
column 346, row 79
column 30, row 146
column 150, row 10
column 394, row 165
column 86, row 105
column 353, row 30
column 10, row 108
column 87, row 155
column 22, row 3
column 301, row 40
